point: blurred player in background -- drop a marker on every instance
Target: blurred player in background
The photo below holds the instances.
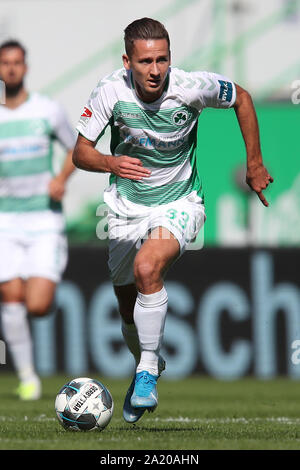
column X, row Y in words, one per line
column 155, row 196
column 33, row 246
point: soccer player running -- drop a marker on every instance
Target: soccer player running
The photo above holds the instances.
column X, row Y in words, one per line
column 155, row 196
column 33, row 247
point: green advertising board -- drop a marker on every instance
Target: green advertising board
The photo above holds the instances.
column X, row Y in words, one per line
column 235, row 216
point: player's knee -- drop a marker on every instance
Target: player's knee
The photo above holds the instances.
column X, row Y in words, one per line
column 146, row 271
column 11, row 292
column 38, row 309
column 17, row 297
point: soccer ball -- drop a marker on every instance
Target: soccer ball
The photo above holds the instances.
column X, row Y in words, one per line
column 84, row 404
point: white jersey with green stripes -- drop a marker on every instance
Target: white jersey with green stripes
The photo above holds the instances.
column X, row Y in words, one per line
column 162, row 134
column 26, row 153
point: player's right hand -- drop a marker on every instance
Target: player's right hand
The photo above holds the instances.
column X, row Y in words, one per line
column 128, row 167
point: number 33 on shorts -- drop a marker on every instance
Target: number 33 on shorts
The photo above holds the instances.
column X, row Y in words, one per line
column 182, row 217
column 185, row 222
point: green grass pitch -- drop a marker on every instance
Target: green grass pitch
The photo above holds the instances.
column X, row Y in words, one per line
column 193, row 414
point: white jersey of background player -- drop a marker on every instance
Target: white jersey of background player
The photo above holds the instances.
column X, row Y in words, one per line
column 155, row 188
column 33, row 245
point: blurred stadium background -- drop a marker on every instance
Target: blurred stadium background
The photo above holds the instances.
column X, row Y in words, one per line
column 235, row 305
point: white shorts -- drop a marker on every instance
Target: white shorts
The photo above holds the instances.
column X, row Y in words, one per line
column 183, row 218
column 32, row 246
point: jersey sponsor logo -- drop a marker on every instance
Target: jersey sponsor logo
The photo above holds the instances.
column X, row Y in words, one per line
column 225, row 91
column 22, row 149
column 86, row 113
column 130, row 115
column 179, row 118
column 151, row 142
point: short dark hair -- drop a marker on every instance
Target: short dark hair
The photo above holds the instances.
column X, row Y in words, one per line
column 12, row 43
column 144, row 28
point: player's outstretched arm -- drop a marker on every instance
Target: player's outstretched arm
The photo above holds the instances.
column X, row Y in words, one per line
column 257, row 177
column 86, row 157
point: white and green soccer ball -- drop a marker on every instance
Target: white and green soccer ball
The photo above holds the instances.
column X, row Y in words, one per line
column 84, row 404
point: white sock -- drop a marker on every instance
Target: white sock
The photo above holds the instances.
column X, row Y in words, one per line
column 16, row 333
column 149, row 317
column 132, row 340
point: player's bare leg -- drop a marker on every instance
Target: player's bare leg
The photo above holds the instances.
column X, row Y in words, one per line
column 154, row 258
column 39, row 295
column 16, row 332
column 156, row 255
column 12, row 291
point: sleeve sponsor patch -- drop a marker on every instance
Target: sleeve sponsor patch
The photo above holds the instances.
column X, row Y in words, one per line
column 85, row 116
column 225, row 91
column 86, row 113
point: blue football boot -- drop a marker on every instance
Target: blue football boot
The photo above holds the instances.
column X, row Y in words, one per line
column 145, row 392
column 130, row 413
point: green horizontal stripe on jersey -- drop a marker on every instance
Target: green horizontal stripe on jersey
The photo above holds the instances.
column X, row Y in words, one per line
column 25, row 167
column 24, row 128
column 156, row 158
column 28, row 204
column 162, row 120
column 141, row 193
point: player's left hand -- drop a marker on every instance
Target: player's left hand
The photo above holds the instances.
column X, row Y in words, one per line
column 57, row 188
column 258, row 179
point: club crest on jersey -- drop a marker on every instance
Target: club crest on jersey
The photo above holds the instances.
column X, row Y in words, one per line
column 179, row 118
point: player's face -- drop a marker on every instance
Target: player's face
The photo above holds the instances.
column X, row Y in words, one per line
column 12, row 66
column 149, row 63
